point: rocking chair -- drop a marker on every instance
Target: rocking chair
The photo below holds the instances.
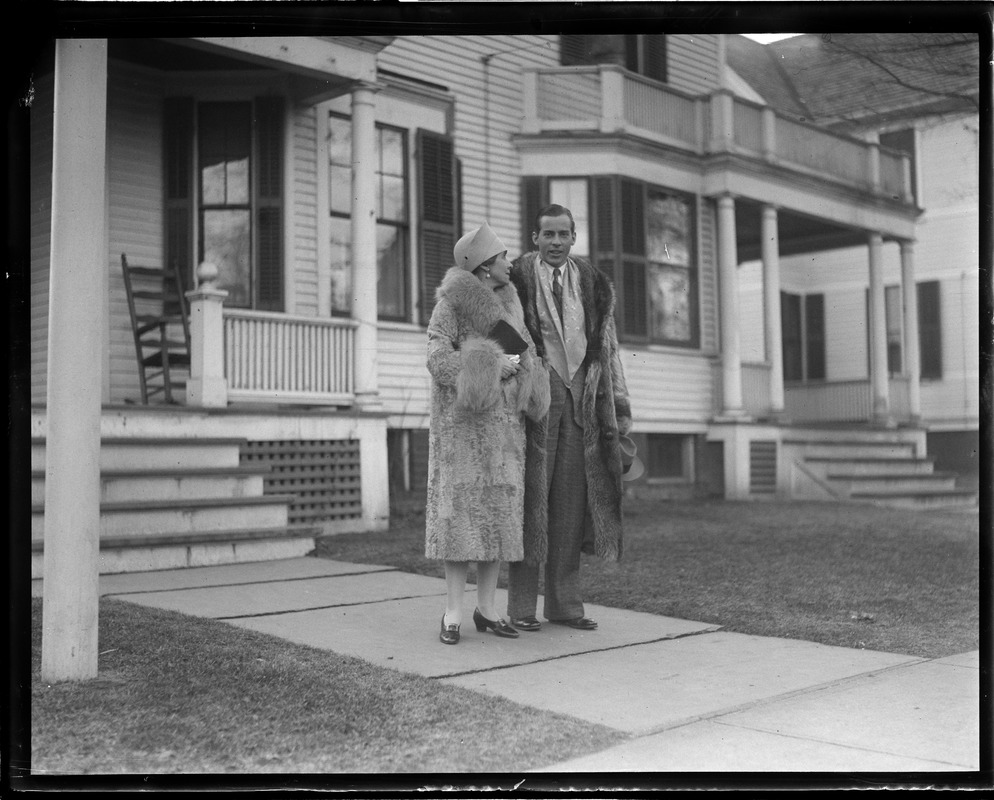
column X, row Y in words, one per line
column 160, row 324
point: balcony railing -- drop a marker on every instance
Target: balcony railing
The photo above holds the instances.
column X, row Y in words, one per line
column 288, row 359
column 842, row 401
column 609, row 99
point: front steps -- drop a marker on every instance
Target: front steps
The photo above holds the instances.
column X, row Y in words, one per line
column 880, row 467
column 178, row 502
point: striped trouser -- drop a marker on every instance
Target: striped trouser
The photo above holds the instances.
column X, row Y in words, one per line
column 567, row 508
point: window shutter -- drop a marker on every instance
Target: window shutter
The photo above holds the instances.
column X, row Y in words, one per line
column 930, row 329
column 533, row 199
column 574, row 50
column 814, row 322
column 655, row 56
column 604, row 218
column 790, row 316
column 632, row 52
column 437, row 193
column 269, row 202
column 632, row 218
column 178, row 167
column 636, row 322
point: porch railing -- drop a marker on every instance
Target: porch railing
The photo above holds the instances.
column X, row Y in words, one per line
column 288, row 359
column 842, row 401
column 609, row 99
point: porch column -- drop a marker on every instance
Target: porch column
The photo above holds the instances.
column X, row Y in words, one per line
column 364, row 271
column 728, row 268
column 912, row 356
column 878, row 333
column 76, row 322
column 773, row 333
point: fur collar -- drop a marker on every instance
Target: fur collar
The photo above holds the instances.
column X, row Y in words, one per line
column 479, row 306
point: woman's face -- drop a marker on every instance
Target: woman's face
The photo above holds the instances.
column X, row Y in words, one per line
column 499, row 268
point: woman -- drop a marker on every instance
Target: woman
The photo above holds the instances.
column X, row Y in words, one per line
column 476, row 454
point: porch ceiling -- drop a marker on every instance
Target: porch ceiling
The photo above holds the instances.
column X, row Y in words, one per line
column 798, row 233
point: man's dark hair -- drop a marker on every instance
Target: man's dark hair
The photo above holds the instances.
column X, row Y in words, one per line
column 554, row 211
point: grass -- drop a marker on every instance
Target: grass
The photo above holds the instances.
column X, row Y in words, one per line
column 885, row 579
column 177, row 694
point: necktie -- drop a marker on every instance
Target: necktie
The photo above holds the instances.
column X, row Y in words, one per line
column 557, row 291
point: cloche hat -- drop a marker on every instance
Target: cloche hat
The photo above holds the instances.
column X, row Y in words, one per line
column 476, row 247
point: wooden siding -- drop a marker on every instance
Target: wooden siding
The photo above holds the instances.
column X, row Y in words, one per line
column 135, row 207
column 948, row 162
column 403, row 376
column 41, row 120
column 693, row 62
column 667, row 388
column 302, row 263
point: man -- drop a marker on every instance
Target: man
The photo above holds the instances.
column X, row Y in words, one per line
column 575, row 456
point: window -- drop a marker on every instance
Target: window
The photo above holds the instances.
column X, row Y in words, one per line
column 640, row 235
column 904, row 140
column 802, row 320
column 392, row 227
column 644, row 54
column 930, row 329
column 892, row 316
column 235, row 203
column 668, row 456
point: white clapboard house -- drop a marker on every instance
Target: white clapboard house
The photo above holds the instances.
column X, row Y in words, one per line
column 279, row 212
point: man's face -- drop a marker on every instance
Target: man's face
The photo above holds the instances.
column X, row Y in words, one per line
column 555, row 237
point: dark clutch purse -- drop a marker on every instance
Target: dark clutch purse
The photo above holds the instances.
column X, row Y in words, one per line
column 509, row 339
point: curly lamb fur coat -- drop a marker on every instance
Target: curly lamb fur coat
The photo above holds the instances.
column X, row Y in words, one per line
column 606, row 414
column 476, row 450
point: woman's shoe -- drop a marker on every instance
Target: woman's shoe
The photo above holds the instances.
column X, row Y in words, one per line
column 498, row 626
column 449, row 634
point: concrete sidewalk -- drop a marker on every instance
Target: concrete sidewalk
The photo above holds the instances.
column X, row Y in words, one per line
column 690, row 696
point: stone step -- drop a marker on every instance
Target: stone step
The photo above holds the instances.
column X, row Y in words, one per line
column 119, row 486
column 857, row 449
column 872, row 466
column 156, row 453
column 185, row 549
column 895, row 484
column 954, row 498
column 209, row 514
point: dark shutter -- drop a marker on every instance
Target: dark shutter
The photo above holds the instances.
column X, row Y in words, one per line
column 930, row 329
column 790, row 322
column 574, row 50
column 437, row 193
column 533, row 195
column 269, row 202
column 633, row 291
column 632, row 52
column 178, row 167
column 632, row 218
column 655, row 56
column 814, row 324
column 634, row 302
column 604, row 217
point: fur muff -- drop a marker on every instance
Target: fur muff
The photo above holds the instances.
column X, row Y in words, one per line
column 606, row 415
column 476, row 452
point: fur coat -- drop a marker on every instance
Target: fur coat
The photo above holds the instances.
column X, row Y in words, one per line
column 606, row 414
column 476, row 443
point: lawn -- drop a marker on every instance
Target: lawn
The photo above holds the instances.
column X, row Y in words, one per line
column 886, row 579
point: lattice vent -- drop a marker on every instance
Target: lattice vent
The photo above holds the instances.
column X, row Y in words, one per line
column 323, row 474
column 762, row 467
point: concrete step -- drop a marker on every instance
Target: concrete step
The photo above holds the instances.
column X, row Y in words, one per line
column 857, row 448
column 156, row 453
column 185, row 549
column 871, row 466
column 952, row 498
column 895, row 484
column 208, row 514
column 119, row 486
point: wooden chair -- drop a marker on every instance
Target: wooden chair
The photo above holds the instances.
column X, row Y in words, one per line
column 160, row 323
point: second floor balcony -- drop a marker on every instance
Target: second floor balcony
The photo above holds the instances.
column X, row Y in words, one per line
column 607, row 99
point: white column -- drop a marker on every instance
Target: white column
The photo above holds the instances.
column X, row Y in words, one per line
column 728, row 268
column 912, row 356
column 207, row 387
column 364, row 272
column 773, row 330
column 76, row 321
column 878, row 333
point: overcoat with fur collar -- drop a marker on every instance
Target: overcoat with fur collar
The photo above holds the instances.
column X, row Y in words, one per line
column 476, row 443
column 606, row 414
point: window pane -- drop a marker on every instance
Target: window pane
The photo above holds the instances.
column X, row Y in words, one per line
column 892, row 316
column 668, row 235
column 341, row 266
column 392, row 205
column 340, row 189
column 665, row 457
column 572, row 194
column 224, row 145
column 212, row 183
column 390, row 261
column 669, row 293
column 226, row 238
column 391, row 152
column 339, row 141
